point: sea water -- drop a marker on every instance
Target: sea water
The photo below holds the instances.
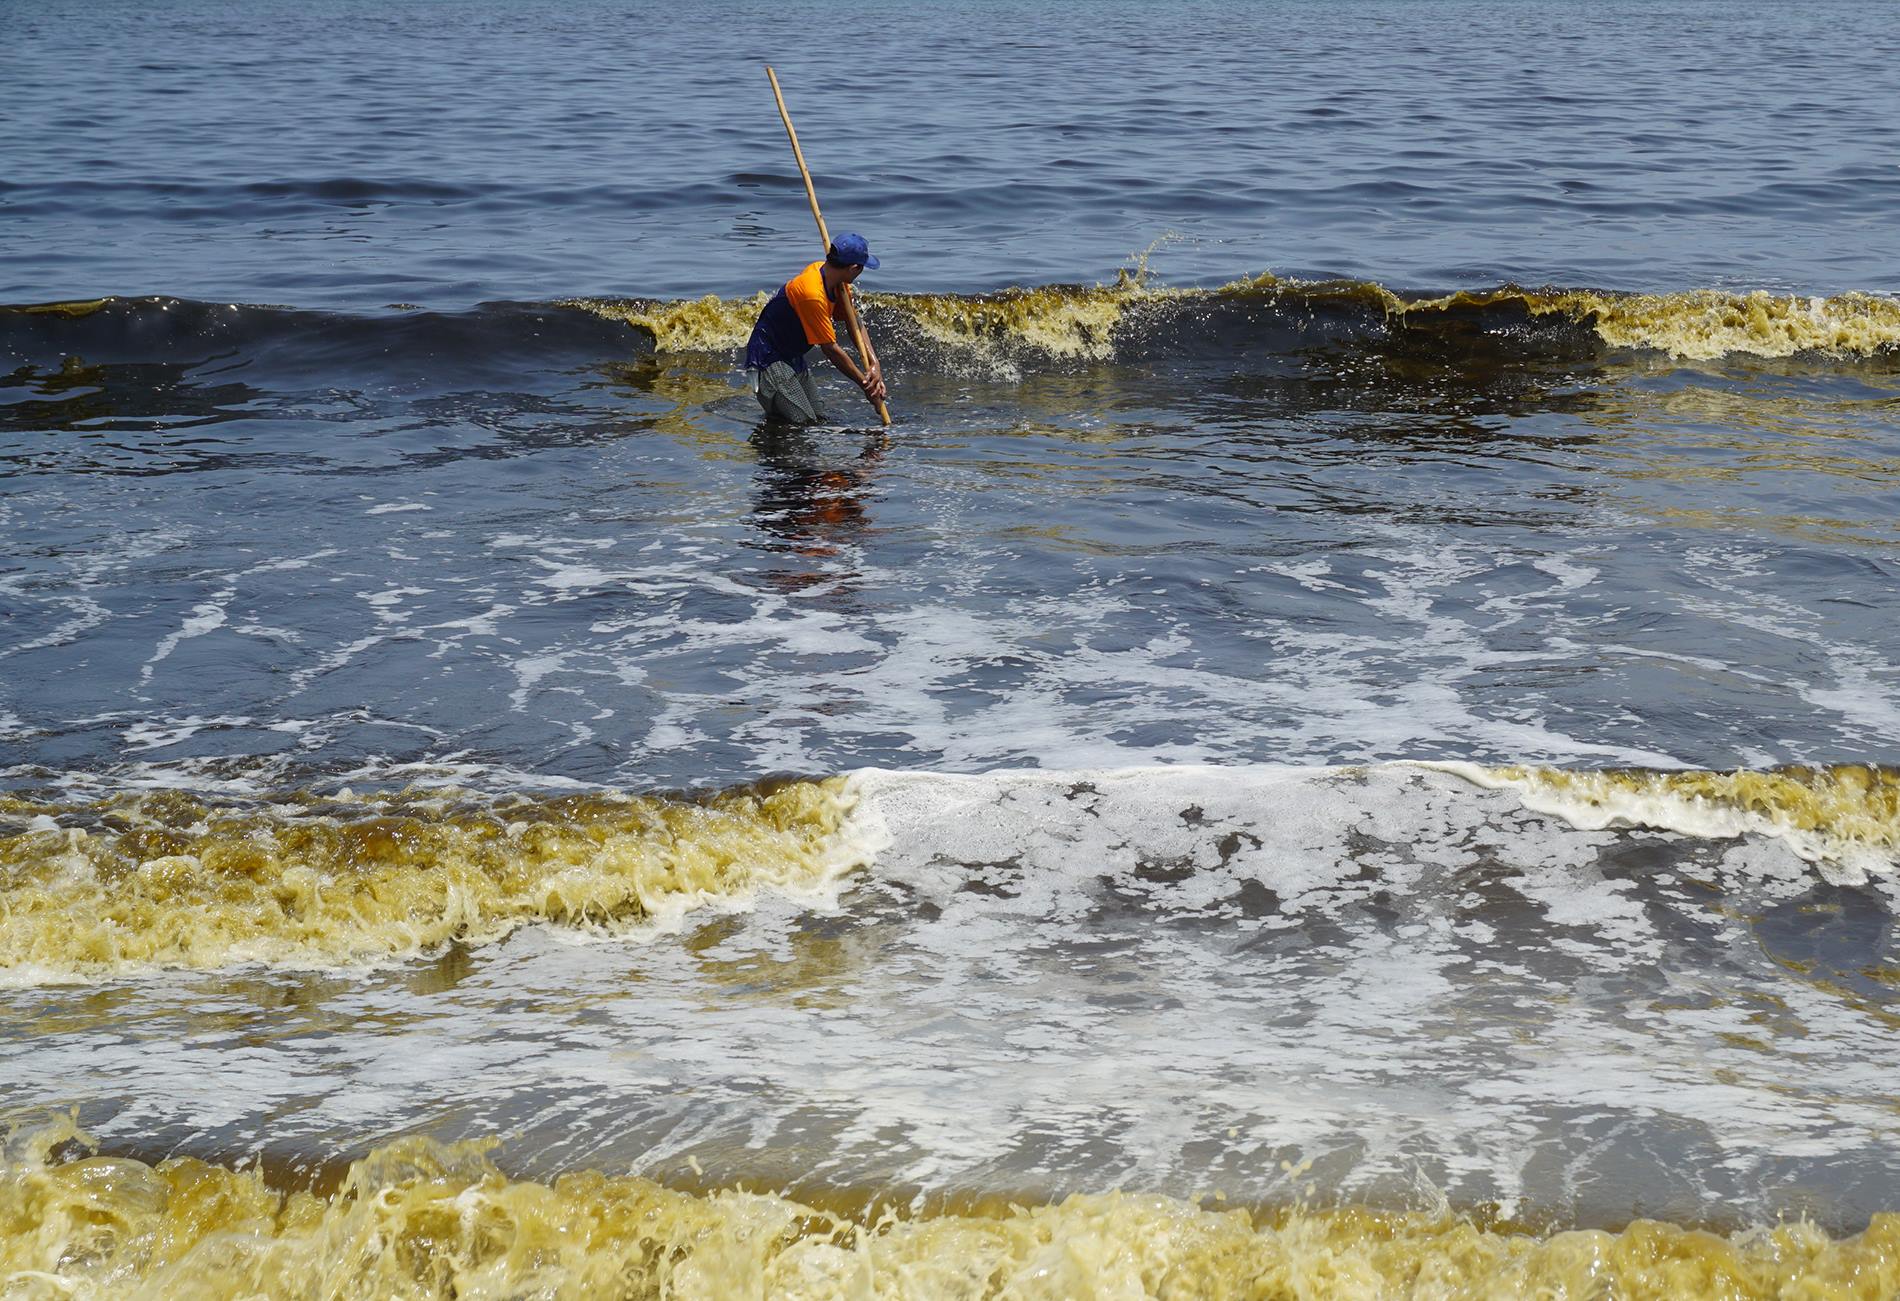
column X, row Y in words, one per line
column 1341, row 744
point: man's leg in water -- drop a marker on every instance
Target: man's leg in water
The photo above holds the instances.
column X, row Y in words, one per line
column 789, row 395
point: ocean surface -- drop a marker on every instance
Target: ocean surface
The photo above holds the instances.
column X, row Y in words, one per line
column 1345, row 742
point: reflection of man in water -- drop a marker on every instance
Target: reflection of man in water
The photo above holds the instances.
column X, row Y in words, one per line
column 810, row 504
column 799, row 318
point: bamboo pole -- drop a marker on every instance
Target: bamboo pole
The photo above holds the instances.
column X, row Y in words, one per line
column 858, row 337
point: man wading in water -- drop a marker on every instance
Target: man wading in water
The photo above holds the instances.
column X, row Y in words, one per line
column 798, row 318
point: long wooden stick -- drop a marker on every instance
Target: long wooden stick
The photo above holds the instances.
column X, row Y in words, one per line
column 858, row 336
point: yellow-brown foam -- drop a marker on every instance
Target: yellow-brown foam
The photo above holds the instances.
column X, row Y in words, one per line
column 1843, row 813
column 1705, row 324
column 709, row 324
column 419, row 1219
column 1696, row 325
column 169, row 880
column 73, row 309
column 1054, row 320
column 1077, row 322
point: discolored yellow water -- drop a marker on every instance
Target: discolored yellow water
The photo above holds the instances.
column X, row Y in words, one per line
column 1707, row 324
column 421, row 1219
column 1055, row 321
column 1076, row 322
column 1080, row 322
column 169, row 880
column 1844, row 817
column 705, row 324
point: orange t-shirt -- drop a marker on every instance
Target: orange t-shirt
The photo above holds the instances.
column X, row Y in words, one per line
column 806, row 293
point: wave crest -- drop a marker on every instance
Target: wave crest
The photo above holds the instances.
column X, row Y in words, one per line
column 1708, row 324
column 999, row 332
column 708, row 324
column 417, row 1218
column 1844, row 818
column 168, row 880
column 1096, row 323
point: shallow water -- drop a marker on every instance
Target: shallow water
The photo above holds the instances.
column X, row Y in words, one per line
column 396, row 683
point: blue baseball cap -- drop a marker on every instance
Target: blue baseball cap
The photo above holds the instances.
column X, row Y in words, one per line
column 849, row 249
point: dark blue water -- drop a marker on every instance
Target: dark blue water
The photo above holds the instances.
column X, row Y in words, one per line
column 333, row 154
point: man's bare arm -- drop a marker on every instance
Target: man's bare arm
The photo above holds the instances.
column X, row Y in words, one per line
column 872, row 384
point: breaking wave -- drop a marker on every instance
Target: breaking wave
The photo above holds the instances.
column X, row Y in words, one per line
column 166, row 879
column 1258, row 316
column 416, row 1218
column 1106, row 323
column 1844, row 818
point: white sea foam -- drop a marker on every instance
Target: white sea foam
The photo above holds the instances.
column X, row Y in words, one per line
column 156, row 735
column 205, row 617
column 86, row 614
